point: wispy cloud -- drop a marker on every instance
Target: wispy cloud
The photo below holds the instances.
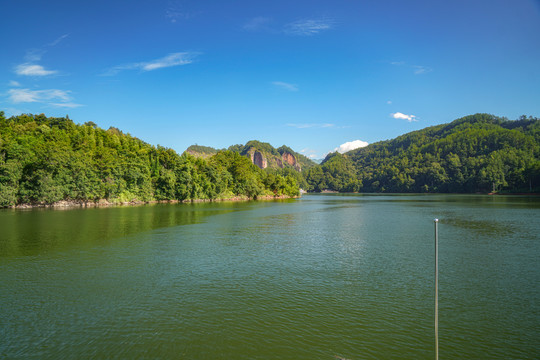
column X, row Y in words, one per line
column 53, row 97
column 350, row 145
column 28, row 69
column 27, row 95
column 174, row 59
column 310, row 153
column 33, row 56
column 304, row 27
column 259, row 23
column 176, row 12
column 285, row 86
column 389, row 102
column 67, row 105
column 308, row 27
column 417, row 69
column 57, row 41
column 409, row 118
column 310, row 126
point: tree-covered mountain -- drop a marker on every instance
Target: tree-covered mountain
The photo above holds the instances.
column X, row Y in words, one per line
column 46, row 160
column 265, row 156
column 477, row 153
column 201, row 151
column 261, row 154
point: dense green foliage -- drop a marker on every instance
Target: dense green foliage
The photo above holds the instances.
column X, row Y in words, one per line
column 200, row 150
column 336, row 173
column 45, row 160
column 477, row 153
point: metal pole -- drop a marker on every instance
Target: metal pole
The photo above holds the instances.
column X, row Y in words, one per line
column 436, row 290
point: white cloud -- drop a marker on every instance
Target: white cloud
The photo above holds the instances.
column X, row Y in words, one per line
column 174, row 59
column 14, row 83
column 61, row 97
column 258, row 23
column 307, row 126
column 389, row 102
column 307, row 27
column 28, row 69
column 286, row 86
column 350, row 145
column 409, row 118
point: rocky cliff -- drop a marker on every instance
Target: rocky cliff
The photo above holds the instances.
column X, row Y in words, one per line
column 258, row 159
column 265, row 156
column 261, row 154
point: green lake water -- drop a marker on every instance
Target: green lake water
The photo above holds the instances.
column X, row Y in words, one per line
column 313, row 278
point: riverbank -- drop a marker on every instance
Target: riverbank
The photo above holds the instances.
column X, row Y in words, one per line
column 106, row 203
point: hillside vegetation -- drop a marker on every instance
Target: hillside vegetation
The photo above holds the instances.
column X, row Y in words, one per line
column 477, row 153
column 273, row 157
column 201, row 151
column 46, row 160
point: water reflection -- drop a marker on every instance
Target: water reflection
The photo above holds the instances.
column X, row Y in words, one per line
column 31, row 232
column 350, row 275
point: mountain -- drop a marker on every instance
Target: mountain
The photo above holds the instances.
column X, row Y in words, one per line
column 476, row 153
column 201, row 151
column 50, row 160
column 265, row 156
column 261, row 154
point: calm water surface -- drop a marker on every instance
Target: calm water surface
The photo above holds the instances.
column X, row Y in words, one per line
column 313, row 278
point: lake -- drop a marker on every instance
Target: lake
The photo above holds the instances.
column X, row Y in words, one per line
column 320, row 277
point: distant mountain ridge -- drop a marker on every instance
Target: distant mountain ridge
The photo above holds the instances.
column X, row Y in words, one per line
column 261, row 154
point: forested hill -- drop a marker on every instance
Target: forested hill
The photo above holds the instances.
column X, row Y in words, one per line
column 477, row 153
column 201, row 151
column 269, row 156
column 46, row 160
column 261, row 154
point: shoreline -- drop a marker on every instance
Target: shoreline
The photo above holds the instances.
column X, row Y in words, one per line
column 69, row 204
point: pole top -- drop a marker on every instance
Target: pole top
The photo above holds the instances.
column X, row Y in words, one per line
column 436, row 220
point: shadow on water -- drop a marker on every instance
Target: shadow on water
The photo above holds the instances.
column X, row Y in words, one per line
column 485, row 227
column 31, row 232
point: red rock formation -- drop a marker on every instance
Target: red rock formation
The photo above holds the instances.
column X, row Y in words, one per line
column 258, row 159
column 289, row 158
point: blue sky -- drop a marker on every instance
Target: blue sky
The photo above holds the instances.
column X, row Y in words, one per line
column 313, row 75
